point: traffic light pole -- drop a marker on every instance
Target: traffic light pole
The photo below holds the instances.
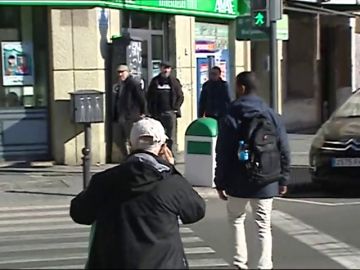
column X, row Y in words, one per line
column 274, row 67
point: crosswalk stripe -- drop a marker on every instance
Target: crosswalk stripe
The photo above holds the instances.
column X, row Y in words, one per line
column 34, row 221
column 41, row 227
column 33, row 208
column 203, row 263
column 53, row 227
column 52, row 236
column 81, row 245
column 44, row 247
column 36, row 260
column 340, row 252
column 60, row 267
column 36, row 214
column 199, row 250
column 192, row 239
column 45, row 237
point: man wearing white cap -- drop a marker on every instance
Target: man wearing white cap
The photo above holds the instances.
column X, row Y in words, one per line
column 134, row 207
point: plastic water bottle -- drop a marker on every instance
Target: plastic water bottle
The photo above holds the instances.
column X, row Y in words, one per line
column 243, row 152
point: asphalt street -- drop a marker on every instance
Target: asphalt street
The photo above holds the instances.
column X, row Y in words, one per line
column 312, row 229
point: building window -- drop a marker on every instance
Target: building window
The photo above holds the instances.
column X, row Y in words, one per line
column 10, row 17
column 139, row 20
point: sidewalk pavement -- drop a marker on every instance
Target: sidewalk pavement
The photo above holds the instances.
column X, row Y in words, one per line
column 34, row 185
column 299, row 145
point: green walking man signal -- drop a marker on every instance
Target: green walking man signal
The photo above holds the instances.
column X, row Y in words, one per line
column 259, row 19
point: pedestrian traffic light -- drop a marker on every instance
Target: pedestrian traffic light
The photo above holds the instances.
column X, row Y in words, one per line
column 259, row 11
column 259, row 18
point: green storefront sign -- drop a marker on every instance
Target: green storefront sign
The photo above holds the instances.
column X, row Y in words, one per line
column 211, row 8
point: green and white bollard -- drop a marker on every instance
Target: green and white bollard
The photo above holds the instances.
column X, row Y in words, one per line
column 200, row 143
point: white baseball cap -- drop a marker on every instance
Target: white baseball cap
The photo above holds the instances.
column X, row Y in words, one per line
column 144, row 129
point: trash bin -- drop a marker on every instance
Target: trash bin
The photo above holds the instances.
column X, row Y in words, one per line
column 200, row 142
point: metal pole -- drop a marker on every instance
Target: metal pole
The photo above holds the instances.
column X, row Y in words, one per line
column 86, row 151
column 273, row 67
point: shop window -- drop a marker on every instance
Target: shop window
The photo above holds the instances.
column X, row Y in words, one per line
column 125, row 19
column 10, row 17
column 27, row 62
column 140, row 20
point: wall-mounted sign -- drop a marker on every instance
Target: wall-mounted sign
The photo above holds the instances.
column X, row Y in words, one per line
column 246, row 31
column 17, row 63
column 210, row 8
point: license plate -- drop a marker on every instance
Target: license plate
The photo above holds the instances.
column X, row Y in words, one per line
column 346, row 162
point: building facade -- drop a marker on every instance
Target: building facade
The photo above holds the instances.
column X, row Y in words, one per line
column 52, row 48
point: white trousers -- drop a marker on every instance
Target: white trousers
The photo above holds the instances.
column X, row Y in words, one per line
column 261, row 209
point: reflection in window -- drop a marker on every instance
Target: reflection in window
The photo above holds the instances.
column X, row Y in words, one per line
column 351, row 107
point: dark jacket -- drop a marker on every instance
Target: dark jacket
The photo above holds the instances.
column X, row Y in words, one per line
column 177, row 95
column 128, row 100
column 229, row 175
column 214, row 99
column 136, row 207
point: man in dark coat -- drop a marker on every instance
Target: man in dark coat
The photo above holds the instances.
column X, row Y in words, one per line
column 134, row 208
column 233, row 183
column 165, row 97
column 129, row 105
column 215, row 97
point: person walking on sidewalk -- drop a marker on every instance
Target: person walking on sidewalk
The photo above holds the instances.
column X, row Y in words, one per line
column 129, row 104
column 215, row 97
column 165, row 97
column 253, row 166
column 134, row 207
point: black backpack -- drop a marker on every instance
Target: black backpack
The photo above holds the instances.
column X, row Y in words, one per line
column 264, row 164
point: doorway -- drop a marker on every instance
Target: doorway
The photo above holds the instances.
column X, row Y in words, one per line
column 151, row 28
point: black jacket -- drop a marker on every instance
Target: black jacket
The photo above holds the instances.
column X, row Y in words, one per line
column 177, row 95
column 128, row 100
column 135, row 208
column 214, row 99
column 228, row 175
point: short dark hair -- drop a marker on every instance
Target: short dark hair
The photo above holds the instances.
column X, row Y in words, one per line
column 247, row 79
column 216, row 68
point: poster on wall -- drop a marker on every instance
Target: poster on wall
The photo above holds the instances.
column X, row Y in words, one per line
column 17, row 64
column 134, row 58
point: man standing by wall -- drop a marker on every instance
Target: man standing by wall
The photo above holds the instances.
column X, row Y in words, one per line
column 129, row 105
column 215, row 97
column 253, row 166
column 165, row 98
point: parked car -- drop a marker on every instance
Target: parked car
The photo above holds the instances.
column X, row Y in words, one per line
column 335, row 150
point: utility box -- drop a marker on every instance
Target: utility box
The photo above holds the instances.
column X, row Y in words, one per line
column 87, row 106
column 200, row 143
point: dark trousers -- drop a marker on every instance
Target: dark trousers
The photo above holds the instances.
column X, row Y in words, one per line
column 122, row 136
column 168, row 120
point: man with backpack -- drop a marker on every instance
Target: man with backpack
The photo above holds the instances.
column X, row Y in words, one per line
column 253, row 166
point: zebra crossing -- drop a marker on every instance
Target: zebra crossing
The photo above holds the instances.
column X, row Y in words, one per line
column 45, row 237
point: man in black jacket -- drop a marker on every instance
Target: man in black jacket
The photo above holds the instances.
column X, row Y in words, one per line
column 215, row 97
column 134, row 207
column 165, row 97
column 232, row 181
column 128, row 105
